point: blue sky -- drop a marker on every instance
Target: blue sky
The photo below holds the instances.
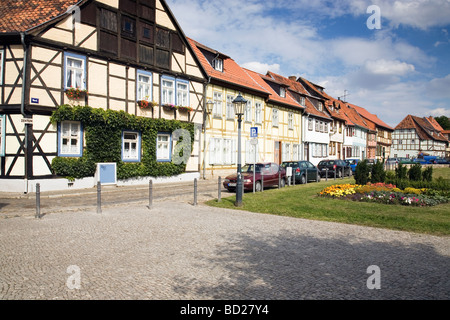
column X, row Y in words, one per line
column 402, row 68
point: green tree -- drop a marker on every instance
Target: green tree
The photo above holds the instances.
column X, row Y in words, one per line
column 378, row 172
column 362, row 173
column 444, row 122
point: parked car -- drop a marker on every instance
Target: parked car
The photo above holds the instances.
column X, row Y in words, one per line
column 340, row 166
column 421, row 161
column 302, row 171
column 406, row 161
column 267, row 173
column 391, row 161
column 441, row 161
column 353, row 163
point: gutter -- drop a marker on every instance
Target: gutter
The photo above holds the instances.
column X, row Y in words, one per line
column 22, row 105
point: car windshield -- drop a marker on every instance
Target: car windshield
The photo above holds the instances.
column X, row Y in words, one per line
column 249, row 168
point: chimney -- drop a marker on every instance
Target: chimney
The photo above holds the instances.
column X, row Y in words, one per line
column 293, row 78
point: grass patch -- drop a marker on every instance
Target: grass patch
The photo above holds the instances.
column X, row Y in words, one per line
column 302, row 202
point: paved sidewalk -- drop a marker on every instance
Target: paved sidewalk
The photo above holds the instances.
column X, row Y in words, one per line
column 178, row 251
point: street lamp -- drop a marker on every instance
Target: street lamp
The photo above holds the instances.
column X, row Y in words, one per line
column 239, row 106
column 208, row 110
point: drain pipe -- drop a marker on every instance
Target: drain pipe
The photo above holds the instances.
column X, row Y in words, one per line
column 22, row 104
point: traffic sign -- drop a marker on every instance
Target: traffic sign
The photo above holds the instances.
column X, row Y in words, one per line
column 254, row 132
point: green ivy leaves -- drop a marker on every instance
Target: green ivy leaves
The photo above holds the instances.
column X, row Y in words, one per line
column 103, row 134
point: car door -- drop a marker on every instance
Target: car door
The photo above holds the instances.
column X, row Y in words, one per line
column 312, row 171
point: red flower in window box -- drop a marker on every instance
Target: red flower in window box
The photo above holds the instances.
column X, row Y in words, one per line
column 75, row 93
column 144, row 104
column 185, row 109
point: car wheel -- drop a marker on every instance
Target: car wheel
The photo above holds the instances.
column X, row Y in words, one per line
column 258, row 186
column 303, row 180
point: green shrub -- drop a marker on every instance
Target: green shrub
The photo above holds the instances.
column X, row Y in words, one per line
column 415, row 172
column 362, row 173
column 427, row 174
column 378, row 173
column 401, row 171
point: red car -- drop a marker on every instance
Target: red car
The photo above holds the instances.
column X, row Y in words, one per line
column 271, row 174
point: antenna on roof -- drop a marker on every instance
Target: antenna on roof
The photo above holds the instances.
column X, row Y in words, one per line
column 344, row 98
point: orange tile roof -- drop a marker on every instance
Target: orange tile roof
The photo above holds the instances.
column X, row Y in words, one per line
column 371, row 117
column 422, row 126
column 355, row 117
column 274, row 97
column 297, row 87
column 435, row 124
column 23, row 15
column 232, row 72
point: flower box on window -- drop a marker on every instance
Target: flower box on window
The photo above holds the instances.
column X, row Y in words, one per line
column 144, row 104
column 76, row 93
column 185, row 109
column 169, row 107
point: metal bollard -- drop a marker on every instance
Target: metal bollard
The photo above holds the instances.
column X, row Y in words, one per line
column 343, row 172
column 195, row 191
column 335, row 174
column 306, row 176
column 99, row 197
column 262, row 182
column 219, row 197
column 150, row 195
column 38, row 201
column 326, row 174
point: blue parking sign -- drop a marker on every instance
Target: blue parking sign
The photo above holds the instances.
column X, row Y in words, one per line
column 254, row 132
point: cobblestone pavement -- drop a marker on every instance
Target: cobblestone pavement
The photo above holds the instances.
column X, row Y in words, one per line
column 180, row 251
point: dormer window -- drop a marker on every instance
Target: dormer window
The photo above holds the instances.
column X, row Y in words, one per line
column 320, row 106
column 302, row 101
column 218, row 64
column 283, row 92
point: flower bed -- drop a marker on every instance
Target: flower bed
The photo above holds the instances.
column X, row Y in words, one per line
column 386, row 194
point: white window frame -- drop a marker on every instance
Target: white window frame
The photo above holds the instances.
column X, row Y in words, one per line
column 275, row 117
column 182, row 93
column 127, row 156
column 168, row 95
column 144, row 89
column 296, row 152
column 72, row 136
column 165, row 156
column 291, row 120
column 310, row 124
column 258, row 113
column 302, row 101
column 230, row 108
column 248, row 111
column 218, row 64
column 218, row 104
column 74, row 71
column 286, row 152
column 2, row 134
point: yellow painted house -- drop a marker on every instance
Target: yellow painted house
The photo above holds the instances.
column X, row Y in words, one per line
column 116, row 52
column 270, row 109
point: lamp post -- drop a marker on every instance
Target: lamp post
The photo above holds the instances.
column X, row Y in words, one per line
column 208, row 111
column 239, row 106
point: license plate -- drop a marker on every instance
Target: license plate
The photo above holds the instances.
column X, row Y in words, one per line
column 232, row 184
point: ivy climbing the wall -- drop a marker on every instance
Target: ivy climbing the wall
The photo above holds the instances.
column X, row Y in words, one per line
column 103, row 143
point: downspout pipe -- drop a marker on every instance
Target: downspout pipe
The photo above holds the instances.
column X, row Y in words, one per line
column 22, row 105
column 24, row 72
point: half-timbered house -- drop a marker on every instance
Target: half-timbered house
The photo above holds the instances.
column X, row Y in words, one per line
column 121, row 55
column 270, row 109
column 415, row 135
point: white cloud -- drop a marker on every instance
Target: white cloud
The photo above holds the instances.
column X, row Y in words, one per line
column 389, row 67
column 261, row 67
column 439, row 87
column 440, row 112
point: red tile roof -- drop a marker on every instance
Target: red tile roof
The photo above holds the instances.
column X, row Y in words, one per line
column 23, row 15
column 423, row 127
column 298, row 88
column 274, row 97
column 372, row 117
column 232, row 72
